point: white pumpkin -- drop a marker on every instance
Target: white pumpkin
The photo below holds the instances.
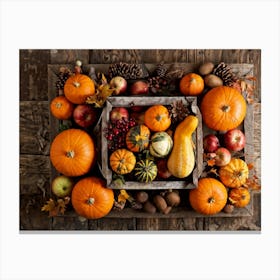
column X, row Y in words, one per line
column 161, row 144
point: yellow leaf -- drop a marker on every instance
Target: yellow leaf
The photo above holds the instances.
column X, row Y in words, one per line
column 243, row 86
column 123, row 196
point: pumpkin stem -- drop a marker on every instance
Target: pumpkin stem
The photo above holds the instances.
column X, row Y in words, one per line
column 70, row 154
column 211, row 200
column 90, row 201
column 58, row 105
column 76, row 84
column 158, row 118
column 225, row 108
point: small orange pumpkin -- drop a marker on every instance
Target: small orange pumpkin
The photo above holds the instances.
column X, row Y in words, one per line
column 122, row 161
column 210, row 196
column 78, row 87
column 223, row 108
column 157, row 118
column 235, row 173
column 72, row 152
column 191, row 84
column 239, row 197
column 137, row 138
column 91, row 198
column 61, row 108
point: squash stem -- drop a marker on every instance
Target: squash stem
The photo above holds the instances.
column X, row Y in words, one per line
column 90, row 201
column 70, row 154
column 76, row 84
column 211, row 200
column 225, row 108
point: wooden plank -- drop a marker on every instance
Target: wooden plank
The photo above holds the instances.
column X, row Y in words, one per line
column 34, row 127
column 59, row 56
column 33, row 74
column 34, row 174
column 69, row 223
column 109, row 224
column 31, row 216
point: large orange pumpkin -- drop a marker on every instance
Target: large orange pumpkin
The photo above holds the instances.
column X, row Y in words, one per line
column 91, row 198
column 235, row 173
column 78, row 87
column 157, row 118
column 209, row 197
column 72, row 152
column 239, row 197
column 191, row 84
column 61, row 108
column 223, row 108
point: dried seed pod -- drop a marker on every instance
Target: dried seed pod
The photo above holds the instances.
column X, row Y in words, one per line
column 141, row 196
column 172, row 199
column 149, row 207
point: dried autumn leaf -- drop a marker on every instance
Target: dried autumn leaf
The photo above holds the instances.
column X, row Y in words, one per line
column 211, row 162
column 61, row 204
column 50, row 207
column 214, row 171
column 252, row 183
column 99, row 98
column 250, row 165
column 123, row 196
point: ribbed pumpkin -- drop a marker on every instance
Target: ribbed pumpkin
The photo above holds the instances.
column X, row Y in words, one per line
column 137, row 138
column 61, row 108
column 191, row 84
column 239, row 197
column 160, row 145
column 209, row 197
column 223, row 108
column 122, row 161
column 234, row 174
column 78, row 87
column 91, row 199
column 145, row 171
column 72, row 152
column 157, row 118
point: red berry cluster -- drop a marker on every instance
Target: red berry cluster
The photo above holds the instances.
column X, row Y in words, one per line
column 115, row 133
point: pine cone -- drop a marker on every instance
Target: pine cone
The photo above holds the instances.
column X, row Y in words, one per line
column 62, row 76
column 126, row 70
column 223, row 71
column 178, row 111
column 160, row 70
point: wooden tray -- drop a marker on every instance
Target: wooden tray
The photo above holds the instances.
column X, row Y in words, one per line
column 128, row 101
column 247, row 126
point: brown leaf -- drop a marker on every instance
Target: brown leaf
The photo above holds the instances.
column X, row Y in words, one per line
column 250, row 166
column 252, row 183
column 56, row 207
column 214, row 171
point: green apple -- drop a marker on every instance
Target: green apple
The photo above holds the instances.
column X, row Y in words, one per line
column 62, row 186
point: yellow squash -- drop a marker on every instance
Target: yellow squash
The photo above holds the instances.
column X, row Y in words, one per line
column 181, row 160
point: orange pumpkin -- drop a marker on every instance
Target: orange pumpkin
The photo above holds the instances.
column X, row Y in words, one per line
column 72, row 152
column 191, row 84
column 91, row 199
column 157, row 118
column 239, row 197
column 235, row 173
column 61, row 108
column 122, row 161
column 137, row 138
column 223, row 108
column 210, row 196
column 78, row 87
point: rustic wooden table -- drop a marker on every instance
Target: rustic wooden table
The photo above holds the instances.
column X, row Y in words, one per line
column 35, row 168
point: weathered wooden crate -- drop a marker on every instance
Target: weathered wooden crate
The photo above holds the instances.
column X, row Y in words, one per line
column 128, row 101
column 180, row 212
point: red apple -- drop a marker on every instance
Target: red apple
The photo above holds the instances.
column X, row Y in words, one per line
column 163, row 171
column 210, row 143
column 118, row 113
column 223, row 156
column 84, row 115
column 139, row 87
column 119, row 84
column 62, row 186
column 234, row 140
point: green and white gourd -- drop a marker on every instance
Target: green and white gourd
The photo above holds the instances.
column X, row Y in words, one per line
column 160, row 144
column 145, row 171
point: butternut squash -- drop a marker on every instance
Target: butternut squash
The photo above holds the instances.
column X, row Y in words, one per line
column 181, row 160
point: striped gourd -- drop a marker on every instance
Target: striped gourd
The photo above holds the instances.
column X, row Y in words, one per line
column 145, row 171
column 137, row 138
column 161, row 144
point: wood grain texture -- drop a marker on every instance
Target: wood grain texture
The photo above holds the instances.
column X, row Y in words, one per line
column 34, row 127
column 33, row 74
column 59, row 56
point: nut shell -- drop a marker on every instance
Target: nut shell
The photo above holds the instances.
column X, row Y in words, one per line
column 160, row 203
column 141, row 196
column 149, row 207
column 212, row 81
column 206, row 68
column 172, row 199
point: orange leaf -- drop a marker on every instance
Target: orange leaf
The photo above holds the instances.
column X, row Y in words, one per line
column 211, row 162
column 250, row 166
